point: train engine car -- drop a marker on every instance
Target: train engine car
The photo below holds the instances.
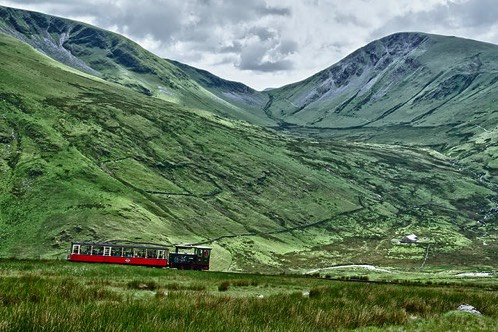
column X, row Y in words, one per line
column 190, row 257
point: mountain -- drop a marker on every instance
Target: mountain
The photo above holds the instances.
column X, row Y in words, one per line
column 405, row 82
column 85, row 156
column 117, row 59
column 408, row 88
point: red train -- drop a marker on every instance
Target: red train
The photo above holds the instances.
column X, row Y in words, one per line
column 184, row 257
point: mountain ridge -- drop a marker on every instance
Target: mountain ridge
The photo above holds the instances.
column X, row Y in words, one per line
column 118, row 59
column 367, row 75
column 360, row 91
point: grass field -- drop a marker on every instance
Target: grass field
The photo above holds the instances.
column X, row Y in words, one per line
column 62, row 296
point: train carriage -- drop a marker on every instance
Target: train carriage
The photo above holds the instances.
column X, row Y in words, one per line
column 184, row 257
column 129, row 254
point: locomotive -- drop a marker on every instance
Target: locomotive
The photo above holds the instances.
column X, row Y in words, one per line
column 183, row 257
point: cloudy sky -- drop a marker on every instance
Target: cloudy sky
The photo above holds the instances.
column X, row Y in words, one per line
column 270, row 43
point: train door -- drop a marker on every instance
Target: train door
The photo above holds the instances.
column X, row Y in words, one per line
column 161, row 254
column 76, row 249
column 107, row 251
column 206, row 253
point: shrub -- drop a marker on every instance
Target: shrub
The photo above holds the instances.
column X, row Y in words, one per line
column 223, row 287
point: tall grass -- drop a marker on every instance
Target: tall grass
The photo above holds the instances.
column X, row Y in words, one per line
column 35, row 302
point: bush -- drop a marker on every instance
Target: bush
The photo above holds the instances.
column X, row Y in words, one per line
column 223, row 287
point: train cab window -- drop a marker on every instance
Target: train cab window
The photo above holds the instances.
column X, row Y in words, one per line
column 76, row 249
column 205, row 256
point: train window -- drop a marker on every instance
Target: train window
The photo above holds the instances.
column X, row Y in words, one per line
column 128, row 252
column 160, row 254
column 117, row 251
column 76, row 249
column 86, row 250
column 107, row 251
column 151, row 253
column 98, row 250
column 139, row 252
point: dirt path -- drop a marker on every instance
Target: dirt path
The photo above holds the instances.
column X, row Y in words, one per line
column 363, row 266
column 285, row 230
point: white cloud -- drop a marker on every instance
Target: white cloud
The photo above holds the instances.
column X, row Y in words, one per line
column 271, row 42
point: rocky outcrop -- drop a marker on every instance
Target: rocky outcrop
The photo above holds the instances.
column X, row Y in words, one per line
column 468, row 308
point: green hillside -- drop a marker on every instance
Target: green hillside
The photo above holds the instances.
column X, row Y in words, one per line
column 83, row 159
column 115, row 58
column 410, row 89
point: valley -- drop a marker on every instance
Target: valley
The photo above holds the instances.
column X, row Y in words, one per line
column 100, row 139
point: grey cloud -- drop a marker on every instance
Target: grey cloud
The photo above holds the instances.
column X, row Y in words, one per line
column 268, row 66
column 266, row 58
column 29, row 2
column 252, row 56
column 255, row 64
column 473, row 15
column 236, row 47
column 262, row 33
column 226, row 60
column 287, row 47
column 348, row 19
column 234, row 12
column 278, row 11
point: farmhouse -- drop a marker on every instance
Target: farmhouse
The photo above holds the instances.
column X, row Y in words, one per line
column 412, row 238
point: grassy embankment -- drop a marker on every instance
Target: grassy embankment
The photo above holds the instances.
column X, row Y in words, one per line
column 63, row 296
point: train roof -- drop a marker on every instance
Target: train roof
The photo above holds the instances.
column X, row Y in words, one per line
column 142, row 245
column 122, row 245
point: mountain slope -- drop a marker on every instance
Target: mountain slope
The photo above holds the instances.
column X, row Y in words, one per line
column 83, row 159
column 408, row 79
column 406, row 83
column 120, row 60
column 410, row 89
column 235, row 93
